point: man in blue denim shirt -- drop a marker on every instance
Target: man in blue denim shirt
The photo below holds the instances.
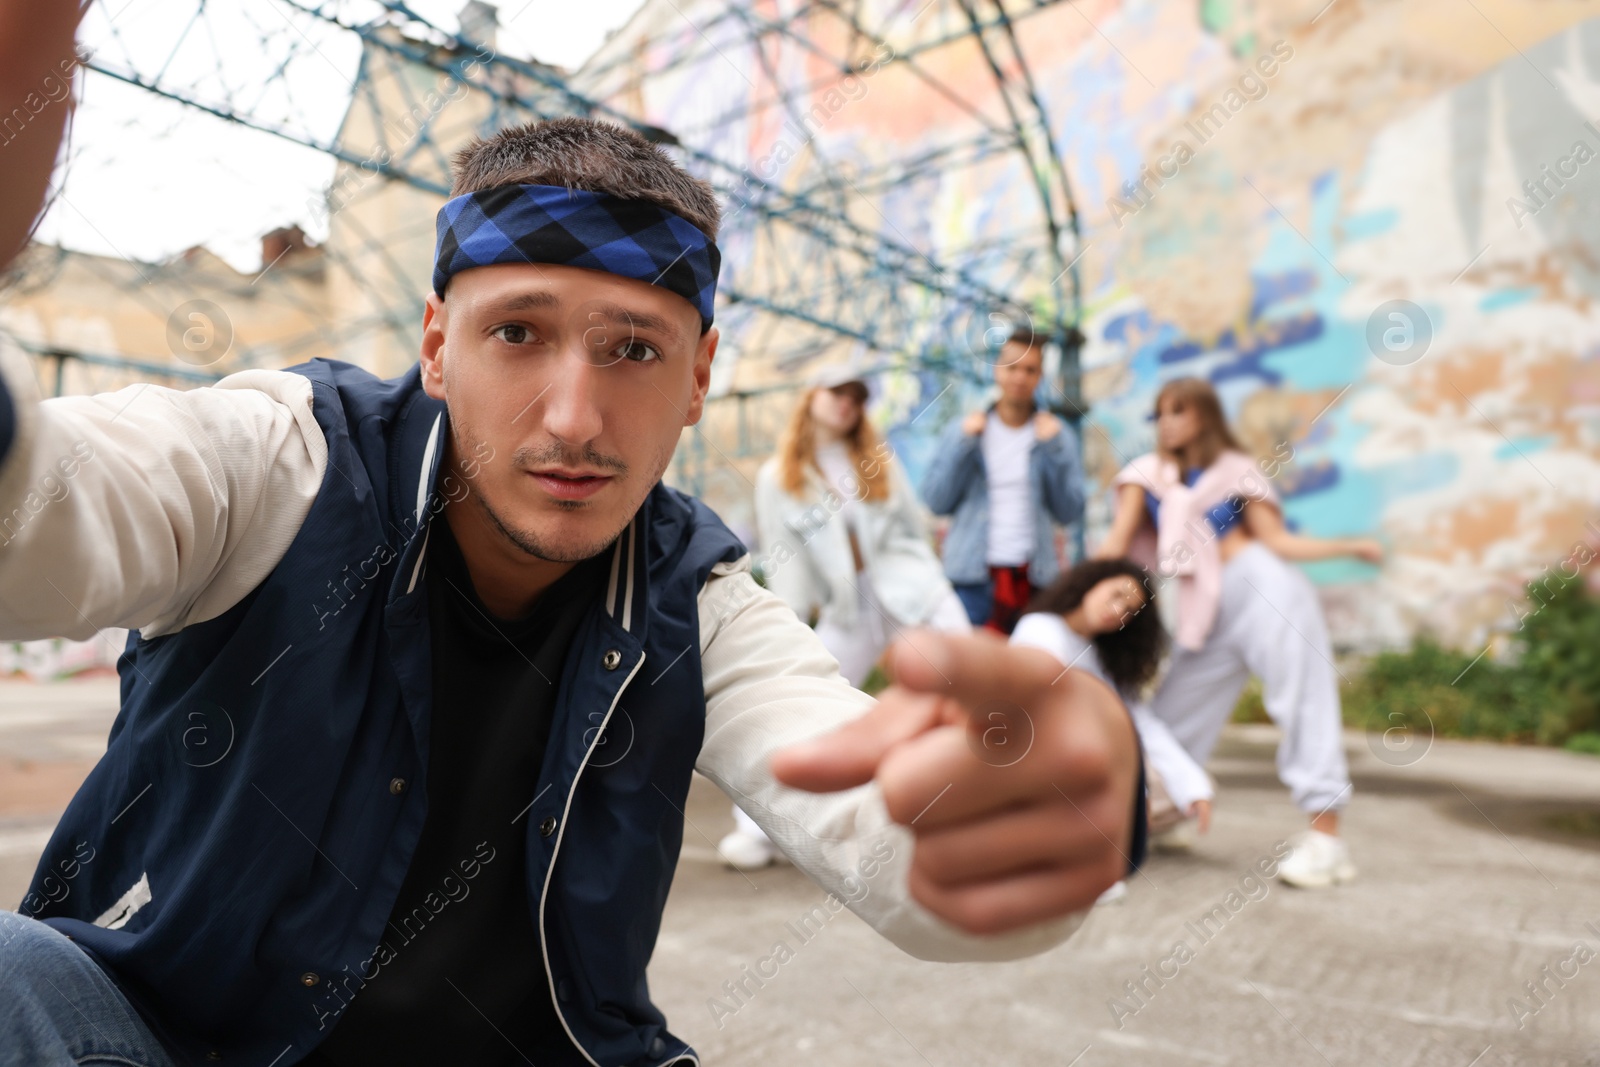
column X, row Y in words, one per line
column 1004, row 474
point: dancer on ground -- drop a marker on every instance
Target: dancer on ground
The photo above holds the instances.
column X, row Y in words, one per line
column 1100, row 617
column 1002, row 475
column 1200, row 510
column 425, row 666
column 856, row 544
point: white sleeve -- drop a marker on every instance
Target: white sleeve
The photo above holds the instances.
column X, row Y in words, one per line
column 1186, row 780
column 769, row 682
column 149, row 508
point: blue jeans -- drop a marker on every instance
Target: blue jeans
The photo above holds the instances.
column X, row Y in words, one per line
column 978, row 599
column 58, row 1008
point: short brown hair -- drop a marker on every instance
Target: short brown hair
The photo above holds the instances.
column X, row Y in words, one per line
column 588, row 154
column 1024, row 336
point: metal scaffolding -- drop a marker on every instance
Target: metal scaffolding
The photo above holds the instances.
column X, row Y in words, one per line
column 813, row 267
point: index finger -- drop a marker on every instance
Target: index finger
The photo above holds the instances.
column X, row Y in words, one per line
column 969, row 668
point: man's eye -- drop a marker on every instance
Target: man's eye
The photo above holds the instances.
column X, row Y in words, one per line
column 512, row 333
column 636, row 352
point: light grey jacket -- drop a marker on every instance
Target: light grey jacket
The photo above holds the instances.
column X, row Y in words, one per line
column 818, row 571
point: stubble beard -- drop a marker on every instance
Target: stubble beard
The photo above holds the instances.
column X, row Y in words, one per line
column 539, row 546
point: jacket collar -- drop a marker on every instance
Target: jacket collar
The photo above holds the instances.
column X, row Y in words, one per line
column 627, row 591
column 429, row 498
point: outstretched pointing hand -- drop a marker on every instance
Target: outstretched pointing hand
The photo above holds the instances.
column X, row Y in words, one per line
column 1016, row 778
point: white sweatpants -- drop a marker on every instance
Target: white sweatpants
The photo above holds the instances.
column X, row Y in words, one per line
column 1269, row 624
column 858, row 647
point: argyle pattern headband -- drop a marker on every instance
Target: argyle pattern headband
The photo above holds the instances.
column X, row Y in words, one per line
column 577, row 228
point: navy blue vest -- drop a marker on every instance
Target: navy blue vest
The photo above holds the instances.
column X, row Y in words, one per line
column 264, row 778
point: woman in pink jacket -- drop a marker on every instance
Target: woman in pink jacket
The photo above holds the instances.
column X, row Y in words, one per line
column 1201, row 513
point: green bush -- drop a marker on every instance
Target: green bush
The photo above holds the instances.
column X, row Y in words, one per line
column 875, row 682
column 1250, row 708
column 1545, row 694
column 1560, row 646
column 1588, row 743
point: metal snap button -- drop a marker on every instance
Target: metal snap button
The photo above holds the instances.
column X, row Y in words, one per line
column 397, row 786
column 309, row 978
column 548, row 826
column 611, row 659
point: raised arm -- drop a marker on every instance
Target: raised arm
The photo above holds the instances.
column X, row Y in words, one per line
column 36, row 65
column 145, row 508
column 956, row 461
column 1265, row 523
column 1124, row 523
column 148, row 508
column 1062, row 474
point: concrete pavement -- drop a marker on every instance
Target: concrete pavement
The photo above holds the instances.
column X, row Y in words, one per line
column 1480, row 868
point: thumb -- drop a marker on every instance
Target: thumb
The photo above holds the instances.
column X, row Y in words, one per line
column 849, row 756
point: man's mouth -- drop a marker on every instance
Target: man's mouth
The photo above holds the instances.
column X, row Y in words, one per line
column 570, row 484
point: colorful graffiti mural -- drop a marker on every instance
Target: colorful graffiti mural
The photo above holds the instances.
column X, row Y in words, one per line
column 1382, row 251
column 1474, row 456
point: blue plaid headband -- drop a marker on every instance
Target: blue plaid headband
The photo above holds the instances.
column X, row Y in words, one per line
column 577, row 228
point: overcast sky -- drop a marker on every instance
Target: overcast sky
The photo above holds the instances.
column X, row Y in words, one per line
column 150, row 177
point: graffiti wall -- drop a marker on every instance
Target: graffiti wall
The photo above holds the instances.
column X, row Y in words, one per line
column 1420, row 326
column 1373, row 226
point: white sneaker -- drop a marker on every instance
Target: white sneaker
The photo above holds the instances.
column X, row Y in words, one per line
column 743, row 852
column 1180, row 837
column 1113, row 895
column 1317, row 861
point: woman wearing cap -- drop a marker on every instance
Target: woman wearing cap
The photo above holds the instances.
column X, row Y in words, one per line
column 843, row 537
column 1199, row 510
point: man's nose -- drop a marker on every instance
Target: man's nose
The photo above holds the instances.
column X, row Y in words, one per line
column 572, row 398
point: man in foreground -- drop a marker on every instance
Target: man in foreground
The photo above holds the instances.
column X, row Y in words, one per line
column 423, row 668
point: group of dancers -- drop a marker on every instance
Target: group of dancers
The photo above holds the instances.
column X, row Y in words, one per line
column 1197, row 518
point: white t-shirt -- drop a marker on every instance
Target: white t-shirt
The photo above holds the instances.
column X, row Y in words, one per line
column 834, row 461
column 1006, row 450
column 1049, row 631
column 1186, row 780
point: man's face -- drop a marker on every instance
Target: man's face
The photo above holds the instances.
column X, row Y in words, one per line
column 577, row 383
column 1017, row 373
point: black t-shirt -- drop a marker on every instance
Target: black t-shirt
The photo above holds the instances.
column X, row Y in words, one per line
column 464, row 981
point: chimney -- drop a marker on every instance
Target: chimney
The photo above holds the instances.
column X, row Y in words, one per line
column 479, row 21
column 283, row 243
